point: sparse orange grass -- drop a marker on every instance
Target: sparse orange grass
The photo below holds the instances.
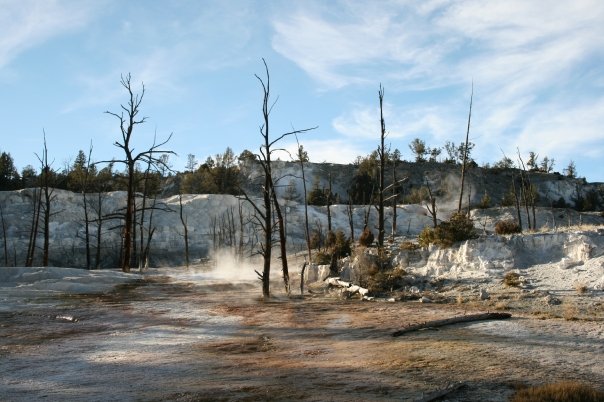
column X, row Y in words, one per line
column 566, row 391
column 581, row 288
column 512, row 279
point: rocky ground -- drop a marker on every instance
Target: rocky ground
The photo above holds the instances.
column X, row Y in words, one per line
column 191, row 335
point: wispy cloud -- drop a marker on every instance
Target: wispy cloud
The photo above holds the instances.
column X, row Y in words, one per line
column 333, row 151
column 177, row 45
column 27, row 23
column 532, row 63
column 363, row 122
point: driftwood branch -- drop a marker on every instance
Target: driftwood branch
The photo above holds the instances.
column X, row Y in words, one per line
column 451, row 321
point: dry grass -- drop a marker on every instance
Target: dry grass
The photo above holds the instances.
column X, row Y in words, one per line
column 581, row 288
column 572, row 228
column 409, row 246
column 567, row 391
column 512, row 279
column 570, row 312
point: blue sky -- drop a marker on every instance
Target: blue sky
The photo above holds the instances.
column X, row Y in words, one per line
column 537, row 67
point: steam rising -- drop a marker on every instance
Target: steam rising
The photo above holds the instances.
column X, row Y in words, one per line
column 228, row 266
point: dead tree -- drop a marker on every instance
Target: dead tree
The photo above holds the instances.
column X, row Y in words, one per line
column 241, row 242
column 4, row 236
column 306, row 228
column 35, row 222
column 465, row 153
column 382, row 159
column 265, row 212
column 528, row 194
column 183, row 221
column 127, row 124
column 350, row 210
column 394, row 198
column 46, row 175
column 432, row 206
column 84, row 186
column 516, row 201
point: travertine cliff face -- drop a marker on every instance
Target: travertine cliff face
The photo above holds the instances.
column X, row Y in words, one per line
column 219, row 221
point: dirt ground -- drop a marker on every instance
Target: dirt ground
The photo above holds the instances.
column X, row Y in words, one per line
column 174, row 339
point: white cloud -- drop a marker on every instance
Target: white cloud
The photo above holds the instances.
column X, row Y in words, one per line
column 531, row 62
column 333, row 151
column 27, row 23
column 363, row 123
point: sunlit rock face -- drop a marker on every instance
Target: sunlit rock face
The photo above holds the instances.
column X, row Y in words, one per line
column 216, row 222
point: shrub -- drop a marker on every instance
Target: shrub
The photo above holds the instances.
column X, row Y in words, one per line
column 341, row 244
column 322, row 258
column 409, row 246
column 366, row 238
column 330, row 239
column 509, row 226
column 561, row 203
column 426, row 237
column 485, row 202
column 317, row 197
column 567, row 391
column 417, row 195
column 315, row 240
column 377, row 274
column 581, row 288
column 459, row 228
column 512, row 279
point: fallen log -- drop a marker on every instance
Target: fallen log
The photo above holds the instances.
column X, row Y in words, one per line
column 451, row 321
column 443, row 392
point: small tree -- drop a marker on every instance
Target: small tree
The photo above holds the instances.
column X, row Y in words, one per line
column 191, row 163
column 504, row 163
column 9, row 176
column 547, row 165
column 418, row 148
column 571, row 170
column 532, row 162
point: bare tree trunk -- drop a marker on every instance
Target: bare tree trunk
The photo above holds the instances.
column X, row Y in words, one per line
column 382, row 155
column 306, row 227
column 241, row 231
column 4, row 237
column 432, row 209
column 45, row 175
column 33, row 234
column 99, row 228
column 517, row 201
column 282, row 241
column 183, row 220
column 142, row 218
column 128, row 223
column 329, row 204
column 465, row 153
column 351, row 218
column 526, row 187
column 394, row 194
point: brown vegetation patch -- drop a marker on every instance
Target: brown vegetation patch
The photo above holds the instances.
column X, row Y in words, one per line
column 567, row 391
